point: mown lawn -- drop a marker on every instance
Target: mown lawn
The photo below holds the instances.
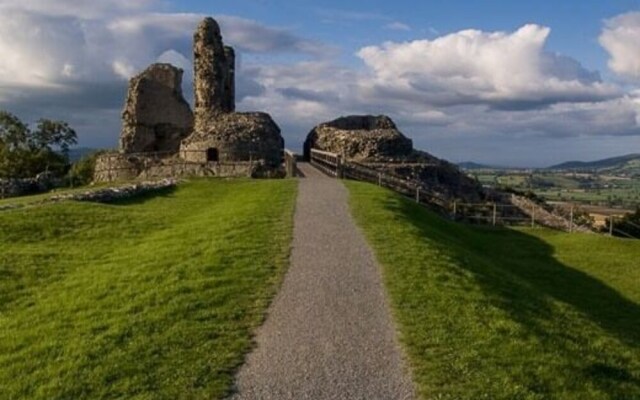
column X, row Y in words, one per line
column 507, row 314
column 38, row 198
column 155, row 298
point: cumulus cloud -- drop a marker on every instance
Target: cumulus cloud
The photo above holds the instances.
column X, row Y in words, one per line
column 69, row 48
column 469, row 67
column 53, row 43
column 70, row 59
column 621, row 38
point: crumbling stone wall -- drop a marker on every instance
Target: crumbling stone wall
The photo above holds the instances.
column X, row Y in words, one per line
column 220, row 134
column 229, row 100
column 236, row 137
column 360, row 138
column 156, row 116
column 214, row 72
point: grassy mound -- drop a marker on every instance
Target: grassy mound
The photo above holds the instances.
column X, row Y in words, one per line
column 507, row 314
column 153, row 298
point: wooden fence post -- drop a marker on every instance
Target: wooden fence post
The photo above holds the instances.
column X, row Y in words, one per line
column 495, row 213
column 455, row 210
column 379, row 178
column 533, row 216
column 611, row 225
column 571, row 220
column 417, row 194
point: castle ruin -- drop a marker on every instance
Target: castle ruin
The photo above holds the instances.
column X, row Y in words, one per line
column 162, row 137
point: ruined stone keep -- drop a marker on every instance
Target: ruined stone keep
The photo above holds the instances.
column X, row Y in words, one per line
column 162, row 137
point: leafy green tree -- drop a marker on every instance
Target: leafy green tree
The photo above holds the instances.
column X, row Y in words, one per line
column 14, row 134
column 51, row 134
column 81, row 172
column 25, row 153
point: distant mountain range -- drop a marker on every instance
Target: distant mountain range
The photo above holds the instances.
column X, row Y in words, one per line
column 629, row 165
column 630, row 161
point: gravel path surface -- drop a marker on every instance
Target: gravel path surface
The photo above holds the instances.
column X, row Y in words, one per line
column 329, row 333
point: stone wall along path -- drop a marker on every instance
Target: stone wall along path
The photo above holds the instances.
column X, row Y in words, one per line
column 329, row 333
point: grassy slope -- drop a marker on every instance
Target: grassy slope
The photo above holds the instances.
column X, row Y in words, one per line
column 504, row 314
column 37, row 198
column 151, row 299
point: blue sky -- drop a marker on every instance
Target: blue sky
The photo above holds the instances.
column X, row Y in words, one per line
column 352, row 24
column 501, row 82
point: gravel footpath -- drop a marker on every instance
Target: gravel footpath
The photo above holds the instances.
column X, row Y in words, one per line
column 329, row 333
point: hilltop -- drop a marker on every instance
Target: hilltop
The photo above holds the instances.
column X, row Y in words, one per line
column 624, row 163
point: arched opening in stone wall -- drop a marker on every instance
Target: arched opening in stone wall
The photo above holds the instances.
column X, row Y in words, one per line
column 213, row 154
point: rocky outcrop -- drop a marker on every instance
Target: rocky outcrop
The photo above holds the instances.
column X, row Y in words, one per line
column 235, row 137
column 360, row 138
column 156, row 116
column 213, row 73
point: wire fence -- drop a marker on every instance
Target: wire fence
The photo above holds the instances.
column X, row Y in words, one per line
column 524, row 212
column 624, row 228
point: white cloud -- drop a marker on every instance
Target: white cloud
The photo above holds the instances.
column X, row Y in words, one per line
column 471, row 66
column 47, row 43
column 70, row 59
column 398, row 26
column 95, row 9
column 621, row 38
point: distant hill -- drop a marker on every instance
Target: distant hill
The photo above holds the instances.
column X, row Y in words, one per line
column 474, row 165
column 77, row 153
column 630, row 161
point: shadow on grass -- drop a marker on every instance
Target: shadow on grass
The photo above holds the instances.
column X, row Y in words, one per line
column 520, row 272
column 145, row 196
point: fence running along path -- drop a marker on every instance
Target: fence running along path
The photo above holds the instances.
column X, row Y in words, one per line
column 492, row 213
column 290, row 163
column 334, row 165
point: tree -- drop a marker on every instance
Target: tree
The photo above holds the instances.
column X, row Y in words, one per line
column 14, row 133
column 25, row 153
column 51, row 134
column 81, row 172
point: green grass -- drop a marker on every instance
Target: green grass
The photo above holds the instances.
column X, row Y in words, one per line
column 155, row 298
column 506, row 314
column 40, row 197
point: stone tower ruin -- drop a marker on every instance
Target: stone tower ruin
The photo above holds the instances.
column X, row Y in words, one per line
column 221, row 134
column 162, row 137
column 214, row 66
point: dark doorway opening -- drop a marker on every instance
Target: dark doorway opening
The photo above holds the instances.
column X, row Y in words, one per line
column 212, row 154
